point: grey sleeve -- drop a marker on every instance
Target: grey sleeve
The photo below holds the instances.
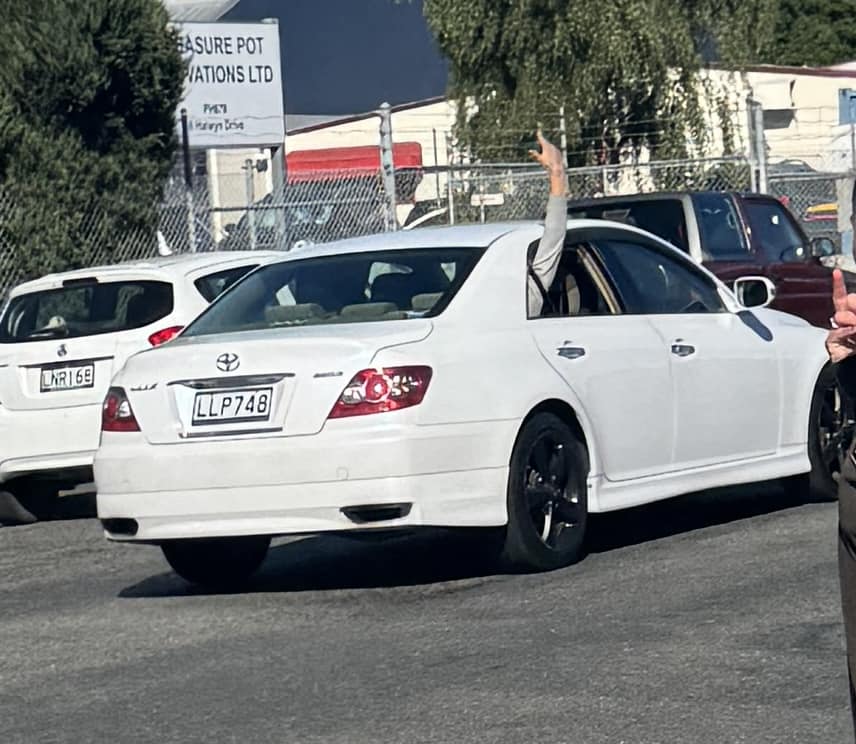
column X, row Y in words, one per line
column 549, row 250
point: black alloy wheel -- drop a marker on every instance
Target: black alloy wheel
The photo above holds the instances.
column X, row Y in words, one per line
column 831, row 427
column 547, row 496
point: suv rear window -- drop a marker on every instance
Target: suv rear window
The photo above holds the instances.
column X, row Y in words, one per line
column 85, row 308
column 214, row 284
column 355, row 287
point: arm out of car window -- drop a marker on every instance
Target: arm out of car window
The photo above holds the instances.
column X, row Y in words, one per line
column 549, row 251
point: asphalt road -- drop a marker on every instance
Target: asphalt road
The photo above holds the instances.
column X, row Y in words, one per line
column 713, row 618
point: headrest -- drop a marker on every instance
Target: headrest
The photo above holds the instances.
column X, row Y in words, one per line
column 367, row 310
column 423, row 302
column 293, row 313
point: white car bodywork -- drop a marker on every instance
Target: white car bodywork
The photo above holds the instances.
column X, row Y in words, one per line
column 56, row 432
column 656, row 422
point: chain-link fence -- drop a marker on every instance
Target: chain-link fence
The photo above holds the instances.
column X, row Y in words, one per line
column 248, row 200
column 485, row 193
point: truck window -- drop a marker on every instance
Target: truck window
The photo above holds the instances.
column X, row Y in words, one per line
column 722, row 236
column 774, row 232
column 662, row 217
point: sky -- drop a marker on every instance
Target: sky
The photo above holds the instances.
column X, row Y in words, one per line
column 343, row 57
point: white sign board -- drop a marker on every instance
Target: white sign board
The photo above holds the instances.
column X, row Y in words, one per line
column 233, row 89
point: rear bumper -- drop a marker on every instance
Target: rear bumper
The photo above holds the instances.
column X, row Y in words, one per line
column 48, row 442
column 441, row 475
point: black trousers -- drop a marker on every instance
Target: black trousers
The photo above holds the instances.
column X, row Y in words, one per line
column 847, row 570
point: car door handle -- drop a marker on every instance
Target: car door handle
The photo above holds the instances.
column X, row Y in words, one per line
column 681, row 349
column 571, row 352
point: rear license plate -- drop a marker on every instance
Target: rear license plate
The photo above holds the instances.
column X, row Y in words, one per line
column 72, row 377
column 232, row 406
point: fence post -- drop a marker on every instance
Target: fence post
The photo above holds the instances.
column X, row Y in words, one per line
column 450, row 190
column 753, row 160
column 563, row 132
column 388, row 166
column 249, row 187
column 188, row 183
column 852, row 138
column 277, row 158
column 758, row 144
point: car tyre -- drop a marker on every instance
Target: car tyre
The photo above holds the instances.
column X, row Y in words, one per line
column 220, row 563
column 26, row 501
column 829, row 436
column 547, row 497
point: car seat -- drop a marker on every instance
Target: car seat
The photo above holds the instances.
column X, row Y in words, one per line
column 398, row 289
column 143, row 309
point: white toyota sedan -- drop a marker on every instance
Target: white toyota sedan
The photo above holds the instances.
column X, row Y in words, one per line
column 63, row 336
column 395, row 381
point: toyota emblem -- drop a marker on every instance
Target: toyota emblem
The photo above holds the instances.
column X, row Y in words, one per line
column 61, row 351
column 228, row 362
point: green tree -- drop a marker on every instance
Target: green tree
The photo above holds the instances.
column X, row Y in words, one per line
column 626, row 72
column 88, row 92
column 814, row 32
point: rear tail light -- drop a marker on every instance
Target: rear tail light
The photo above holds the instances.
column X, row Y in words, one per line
column 382, row 390
column 164, row 335
column 116, row 413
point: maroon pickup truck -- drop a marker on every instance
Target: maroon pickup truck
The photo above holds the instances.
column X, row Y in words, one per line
column 734, row 235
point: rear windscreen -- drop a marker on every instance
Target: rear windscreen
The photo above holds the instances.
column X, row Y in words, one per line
column 349, row 288
column 85, row 308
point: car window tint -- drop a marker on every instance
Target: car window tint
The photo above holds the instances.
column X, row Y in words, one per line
column 651, row 282
column 211, row 285
column 722, row 236
column 773, row 231
column 662, row 217
column 344, row 288
column 85, row 309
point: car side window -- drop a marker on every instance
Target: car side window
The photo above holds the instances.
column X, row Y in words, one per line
column 651, row 282
column 211, row 286
column 575, row 291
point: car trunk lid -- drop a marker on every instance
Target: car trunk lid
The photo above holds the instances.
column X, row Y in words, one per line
column 265, row 383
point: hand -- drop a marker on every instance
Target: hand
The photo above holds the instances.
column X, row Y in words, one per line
column 550, row 156
column 844, row 304
column 553, row 161
column 841, row 341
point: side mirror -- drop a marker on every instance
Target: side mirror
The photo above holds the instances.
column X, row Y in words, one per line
column 754, row 291
column 822, row 247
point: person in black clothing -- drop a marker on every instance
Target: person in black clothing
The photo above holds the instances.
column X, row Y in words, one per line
column 841, row 347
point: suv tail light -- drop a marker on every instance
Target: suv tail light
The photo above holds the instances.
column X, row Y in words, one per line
column 116, row 413
column 382, row 390
column 164, row 335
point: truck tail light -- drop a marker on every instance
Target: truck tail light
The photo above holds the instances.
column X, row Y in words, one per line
column 382, row 390
column 116, row 413
column 164, row 335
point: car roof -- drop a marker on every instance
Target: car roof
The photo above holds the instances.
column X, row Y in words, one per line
column 647, row 196
column 660, row 195
column 435, row 236
column 179, row 264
